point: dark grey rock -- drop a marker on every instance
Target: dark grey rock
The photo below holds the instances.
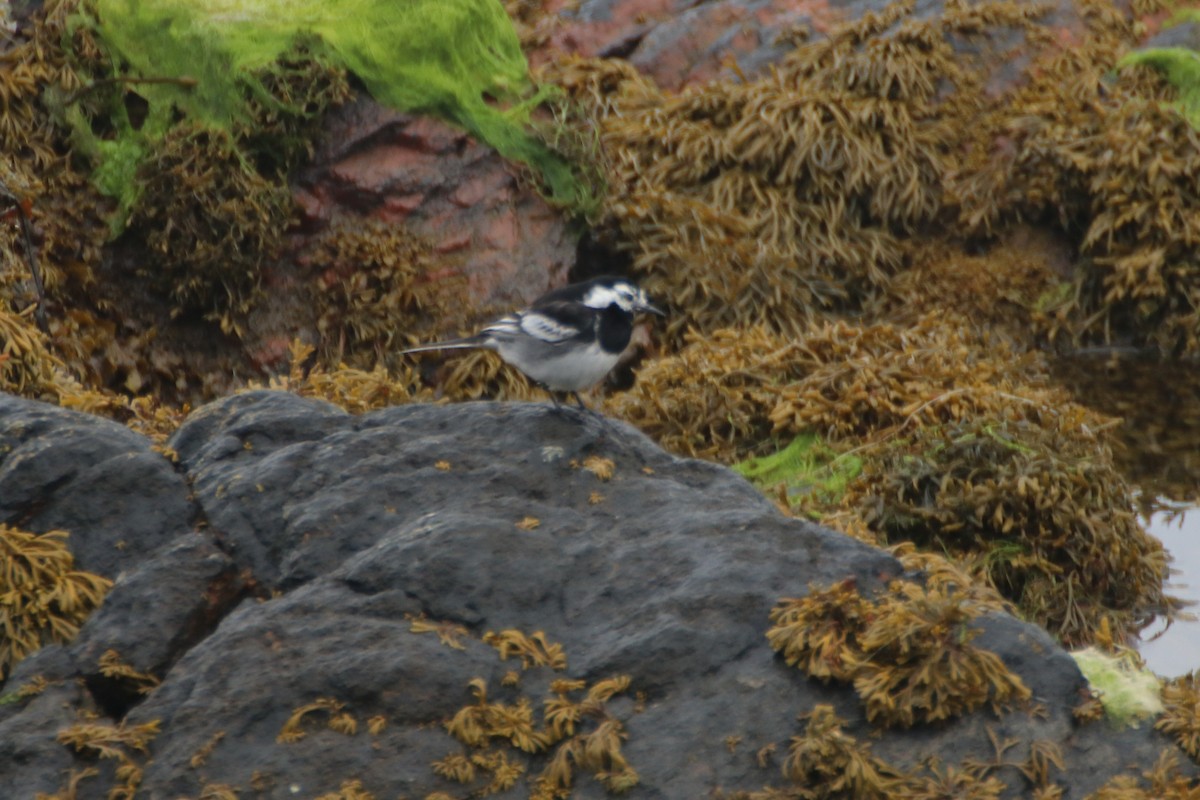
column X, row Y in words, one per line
column 96, row 479
column 349, row 527
column 151, row 617
column 31, row 760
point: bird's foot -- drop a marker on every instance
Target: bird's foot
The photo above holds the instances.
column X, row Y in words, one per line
column 560, row 406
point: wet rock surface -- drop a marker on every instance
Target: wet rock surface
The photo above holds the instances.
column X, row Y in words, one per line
column 323, row 537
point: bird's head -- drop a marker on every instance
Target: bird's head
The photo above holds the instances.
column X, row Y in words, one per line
column 620, row 292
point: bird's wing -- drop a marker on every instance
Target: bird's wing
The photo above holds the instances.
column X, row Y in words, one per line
column 556, row 322
column 502, row 328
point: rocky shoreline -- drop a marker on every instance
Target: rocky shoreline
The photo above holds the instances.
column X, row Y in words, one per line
column 308, row 602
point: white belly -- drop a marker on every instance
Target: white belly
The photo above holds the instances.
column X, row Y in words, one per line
column 556, row 367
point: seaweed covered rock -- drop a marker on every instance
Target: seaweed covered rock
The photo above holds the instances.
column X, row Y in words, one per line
column 776, row 196
column 519, row 600
column 1110, row 160
column 727, row 39
column 173, row 223
column 776, row 199
column 909, row 656
column 964, row 445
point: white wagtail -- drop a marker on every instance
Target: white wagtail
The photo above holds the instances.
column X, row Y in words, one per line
column 568, row 339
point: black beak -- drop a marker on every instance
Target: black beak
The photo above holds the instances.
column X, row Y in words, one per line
column 653, row 309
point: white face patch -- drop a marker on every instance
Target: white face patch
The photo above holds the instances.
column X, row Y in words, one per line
column 624, row 295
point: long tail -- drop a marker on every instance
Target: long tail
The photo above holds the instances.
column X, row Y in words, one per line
column 453, row 344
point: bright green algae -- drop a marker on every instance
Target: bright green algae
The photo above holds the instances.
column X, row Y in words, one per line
column 457, row 59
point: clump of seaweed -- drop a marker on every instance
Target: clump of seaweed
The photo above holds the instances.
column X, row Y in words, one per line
column 885, row 379
column 338, row 720
column 146, row 414
column 464, row 768
column 350, row 790
column 118, row 742
column 909, row 654
column 111, row 666
column 43, row 598
column 1164, row 781
column 918, row 663
column 475, row 725
column 835, row 763
column 355, row 390
column 1181, row 717
column 223, row 791
column 1038, row 512
column 819, row 633
column 581, row 731
column 373, row 293
column 959, row 784
column 826, row 763
column 533, row 650
column 780, row 198
column 729, row 393
column 449, row 633
column 211, row 219
column 66, row 213
column 501, row 737
column 209, row 203
column 713, row 397
column 27, row 366
column 596, row 750
column 35, row 686
column 298, row 88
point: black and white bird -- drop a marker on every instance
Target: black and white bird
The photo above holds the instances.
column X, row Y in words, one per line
column 568, row 339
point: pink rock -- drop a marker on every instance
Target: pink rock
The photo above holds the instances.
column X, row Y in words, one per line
column 453, row 244
column 443, row 185
column 398, row 208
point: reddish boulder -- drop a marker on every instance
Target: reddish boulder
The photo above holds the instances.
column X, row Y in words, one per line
column 460, row 195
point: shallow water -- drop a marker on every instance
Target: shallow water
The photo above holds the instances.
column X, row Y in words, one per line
column 1175, row 649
